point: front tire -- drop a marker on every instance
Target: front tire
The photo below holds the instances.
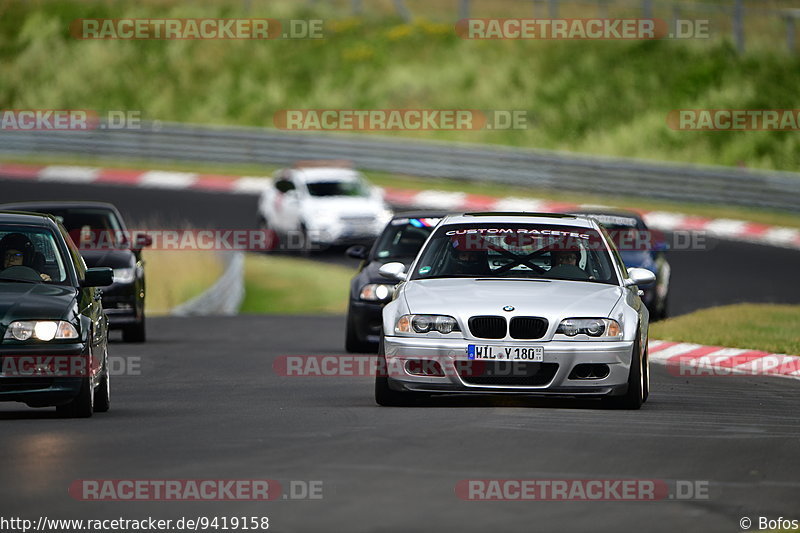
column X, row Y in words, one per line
column 134, row 333
column 638, row 382
column 351, row 342
column 385, row 396
column 82, row 406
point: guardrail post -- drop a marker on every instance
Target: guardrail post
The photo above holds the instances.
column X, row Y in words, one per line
column 676, row 16
column 553, row 9
column 402, row 10
column 602, row 9
column 647, row 9
column 463, row 9
column 791, row 17
column 738, row 25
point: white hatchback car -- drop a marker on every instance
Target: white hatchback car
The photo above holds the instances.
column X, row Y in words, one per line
column 317, row 204
column 518, row 303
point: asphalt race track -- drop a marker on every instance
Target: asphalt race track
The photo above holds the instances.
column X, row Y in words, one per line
column 206, row 404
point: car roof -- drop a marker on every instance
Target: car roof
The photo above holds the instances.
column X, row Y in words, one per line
column 520, row 218
column 315, row 174
column 28, row 219
column 29, row 206
column 421, row 214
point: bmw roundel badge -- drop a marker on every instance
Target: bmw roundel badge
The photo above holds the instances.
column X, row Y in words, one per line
column 508, row 308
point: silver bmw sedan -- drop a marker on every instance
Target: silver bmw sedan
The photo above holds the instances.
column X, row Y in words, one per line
column 515, row 303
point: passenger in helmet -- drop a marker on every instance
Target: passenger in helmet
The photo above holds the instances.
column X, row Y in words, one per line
column 564, row 264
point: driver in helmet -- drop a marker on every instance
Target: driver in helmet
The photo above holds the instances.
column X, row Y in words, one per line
column 17, row 250
column 470, row 262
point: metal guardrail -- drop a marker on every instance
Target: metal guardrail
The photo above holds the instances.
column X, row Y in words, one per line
column 516, row 166
column 224, row 297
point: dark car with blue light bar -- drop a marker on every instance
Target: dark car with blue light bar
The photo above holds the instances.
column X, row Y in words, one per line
column 400, row 241
column 640, row 247
column 53, row 331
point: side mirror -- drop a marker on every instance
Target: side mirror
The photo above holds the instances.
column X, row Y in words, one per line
column 98, row 277
column 394, row 271
column 639, row 276
column 358, row 251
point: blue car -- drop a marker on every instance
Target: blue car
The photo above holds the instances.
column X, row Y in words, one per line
column 639, row 247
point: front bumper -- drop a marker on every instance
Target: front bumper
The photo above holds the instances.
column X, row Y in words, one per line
column 40, row 389
column 367, row 319
column 121, row 305
column 553, row 376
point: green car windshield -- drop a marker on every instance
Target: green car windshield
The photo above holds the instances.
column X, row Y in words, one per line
column 30, row 255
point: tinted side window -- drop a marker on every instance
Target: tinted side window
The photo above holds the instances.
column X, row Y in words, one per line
column 284, row 185
column 75, row 255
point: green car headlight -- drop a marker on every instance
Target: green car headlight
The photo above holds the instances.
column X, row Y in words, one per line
column 43, row 330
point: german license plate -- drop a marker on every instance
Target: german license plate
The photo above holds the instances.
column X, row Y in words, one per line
column 505, row 353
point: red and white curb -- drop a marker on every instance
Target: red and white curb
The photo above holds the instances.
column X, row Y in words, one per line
column 695, row 360
column 738, row 230
column 156, row 179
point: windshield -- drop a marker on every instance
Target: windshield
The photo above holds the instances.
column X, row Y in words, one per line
column 86, row 225
column 530, row 251
column 352, row 187
column 30, row 255
column 403, row 238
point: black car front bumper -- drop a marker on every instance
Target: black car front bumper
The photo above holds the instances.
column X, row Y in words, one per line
column 367, row 320
column 42, row 388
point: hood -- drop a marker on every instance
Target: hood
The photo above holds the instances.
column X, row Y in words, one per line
column 22, row 301
column 108, row 258
column 553, row 299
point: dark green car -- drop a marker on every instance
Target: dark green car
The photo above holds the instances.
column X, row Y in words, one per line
column 53, row 332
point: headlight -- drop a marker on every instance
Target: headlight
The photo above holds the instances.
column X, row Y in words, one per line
column 376, row 292
column 124, row 275
column 426, row 323
column 592, row 327
column 43, row 330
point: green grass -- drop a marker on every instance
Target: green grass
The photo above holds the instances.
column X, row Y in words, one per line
column 287, row 285
column 196, row 271
column 768, row 327
column 608, row 97
column 762, row 216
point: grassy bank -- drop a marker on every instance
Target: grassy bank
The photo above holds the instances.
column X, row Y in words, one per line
column 608, row 97
column 287, row 285
column 175, row 276
column 768, row 327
